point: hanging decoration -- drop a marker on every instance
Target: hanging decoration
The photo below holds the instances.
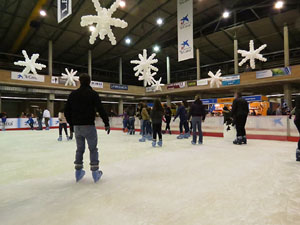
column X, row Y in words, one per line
column 252, row 54
column 215, row 80
column 157, row 85
column 70, row 77
column 30, row 64
column 104, row 21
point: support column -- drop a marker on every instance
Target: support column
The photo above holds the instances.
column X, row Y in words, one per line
column 0, row 104
column 90, row 63
column 169, row 100
column 50, row 58
column 287, row 90
column 286, row 46
column 236, row 57
column 120, row 71
column 168, row 71
column 198, row 64
column 50, row 104
column 121, row 107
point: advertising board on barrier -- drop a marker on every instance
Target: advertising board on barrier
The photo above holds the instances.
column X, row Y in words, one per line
column 191, row 83
column 273, row 72
column 150, row 89
column 96, row 84
column 202, row 82
column 209, row 101
column 119, row 87
column 176, row 85
column 57, row 80
column 27, row 77
column 231, row 80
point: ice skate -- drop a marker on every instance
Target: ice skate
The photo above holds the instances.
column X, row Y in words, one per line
column 298, row 154
column 160, row 143
column 149, row 138
column 59, row 138
column 186, row 135
column 244, row 140
column 238, row 141
column 79, row 174
column 181, row 136
column 154, row 143
column 200, row 142
column 193, row 143
column 97, row 175
column 71, row 136
column 143, row 139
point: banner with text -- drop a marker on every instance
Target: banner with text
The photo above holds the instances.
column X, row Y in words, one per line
column 176, row 85
column 273, row 72
column 27, row 77
column 64, row 9
column 231, row 80
column 185, row 29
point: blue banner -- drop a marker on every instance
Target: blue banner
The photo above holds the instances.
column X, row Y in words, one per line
column 119, row 87
column 273, row 72
column 209, row 101
column 231, row 80
column 64, row 9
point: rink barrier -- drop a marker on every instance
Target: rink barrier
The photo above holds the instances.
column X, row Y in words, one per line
column 278, row 128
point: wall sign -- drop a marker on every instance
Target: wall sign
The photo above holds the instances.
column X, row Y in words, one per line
column 96, row 84
column 119, row 87
column 176, row 85
column 273, row 72
column 192, row 83
column 231, row 80
column 202, row 82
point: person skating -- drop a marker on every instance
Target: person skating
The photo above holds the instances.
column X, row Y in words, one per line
column 39, row 117
column 3, row 120
column 146, row 121
column 62, row 125
column 46, row 115
column 296, row 112
column 131, row 120
column 30, row 121
column 182, row 113
column 198, row 114
column 80, row 111
column 168, row 117
column 157, row 114
column 125, row 121
column 239, row 112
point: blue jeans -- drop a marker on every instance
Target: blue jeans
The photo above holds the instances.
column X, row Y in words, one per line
column 197, row 123
column 184, row 124
column 146, row 127
column 40, row 124
column 131, row 124
column 125, row 124
column 88, row 133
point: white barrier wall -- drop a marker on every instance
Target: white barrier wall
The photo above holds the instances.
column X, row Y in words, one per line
column 264, row 125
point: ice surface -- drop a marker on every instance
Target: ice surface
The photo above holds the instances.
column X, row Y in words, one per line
column 217, row 183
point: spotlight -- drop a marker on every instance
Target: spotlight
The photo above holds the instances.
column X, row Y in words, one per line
column 122, row 4
column 128, row 41
column 226, row 14
column 279, row 5
column 92, row 28
column 159, row 21
column 156, row 48
column 43, row 13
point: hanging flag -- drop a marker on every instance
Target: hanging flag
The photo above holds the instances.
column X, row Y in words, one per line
column 185, row 29
column 64, row 9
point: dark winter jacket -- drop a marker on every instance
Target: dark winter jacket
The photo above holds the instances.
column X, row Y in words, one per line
column 156, row 116
column 39, row 115
column 197, row 110
column 82, row 106
column 240, row 107
column 182, row 113
column 130, row 112
column 168, row 114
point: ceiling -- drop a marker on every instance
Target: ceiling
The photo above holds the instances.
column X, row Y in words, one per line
column 250, row 20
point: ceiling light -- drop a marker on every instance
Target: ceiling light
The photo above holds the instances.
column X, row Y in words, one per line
column 122, row 4
column 92, row 28
column 159, row 21
column 226, row 14
column 279, row 4
column 128, row 41
column 156, row 48
column 43, row 13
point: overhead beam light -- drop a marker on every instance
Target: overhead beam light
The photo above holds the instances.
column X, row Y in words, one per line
column 92, row 28
column 128, row 41
column 156, row 48
column 122, row 4
column 279, row 5
column 43, row 13
column 226, row 14
column 159, row 21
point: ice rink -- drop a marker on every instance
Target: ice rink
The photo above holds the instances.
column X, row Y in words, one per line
column 214, row 184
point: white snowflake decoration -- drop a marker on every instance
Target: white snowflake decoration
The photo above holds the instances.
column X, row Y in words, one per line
column 30, row 64
column 144, row 67
column 157, row 85
column 215, row 79
column 70, row 77
column 103, row 21
column 252, row 54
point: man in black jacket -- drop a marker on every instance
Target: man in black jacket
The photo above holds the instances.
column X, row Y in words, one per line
column 240, row 111
column 80, row 112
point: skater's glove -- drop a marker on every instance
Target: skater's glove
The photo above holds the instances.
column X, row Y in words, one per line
column 107, row 129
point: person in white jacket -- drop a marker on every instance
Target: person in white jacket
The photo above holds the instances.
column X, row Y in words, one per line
column 46, row 116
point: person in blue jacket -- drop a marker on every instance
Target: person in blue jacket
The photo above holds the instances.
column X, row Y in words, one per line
column 30, row 121
column 182, row 114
